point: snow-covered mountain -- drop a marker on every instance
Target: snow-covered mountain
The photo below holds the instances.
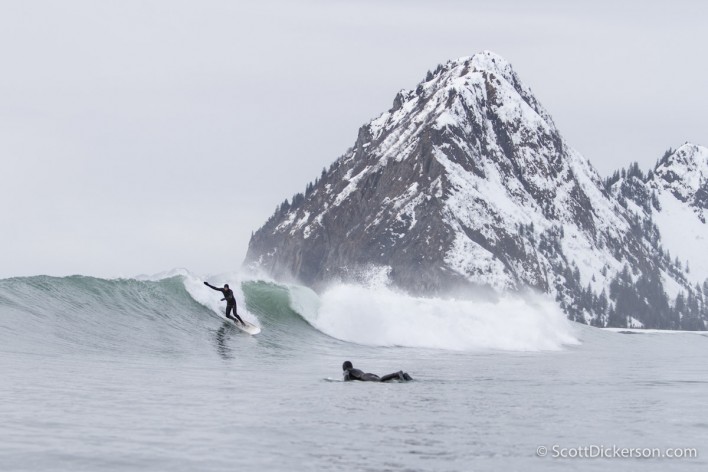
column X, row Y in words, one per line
column 466, row 182
column 680, row 183
column 673, row 199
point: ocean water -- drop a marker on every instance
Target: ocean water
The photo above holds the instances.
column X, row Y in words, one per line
column 118, row 375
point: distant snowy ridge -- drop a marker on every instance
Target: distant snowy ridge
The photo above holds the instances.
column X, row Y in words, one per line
column 681, row 182
column 466, row 183
column 672, row 199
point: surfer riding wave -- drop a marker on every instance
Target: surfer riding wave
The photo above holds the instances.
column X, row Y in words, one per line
column 230, row 301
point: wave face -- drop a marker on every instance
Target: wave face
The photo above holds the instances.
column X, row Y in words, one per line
column 77, row 314
column 178, row 314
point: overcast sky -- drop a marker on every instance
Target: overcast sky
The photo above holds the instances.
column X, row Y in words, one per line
column 139, row 136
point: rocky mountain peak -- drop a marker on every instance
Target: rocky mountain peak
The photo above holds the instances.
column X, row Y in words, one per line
column 685, row 173
column 466, row 182
column 472, row 83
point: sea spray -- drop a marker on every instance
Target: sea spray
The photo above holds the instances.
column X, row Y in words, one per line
column 381, row 316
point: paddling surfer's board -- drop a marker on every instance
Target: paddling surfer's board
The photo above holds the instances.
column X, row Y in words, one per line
column 249, row 328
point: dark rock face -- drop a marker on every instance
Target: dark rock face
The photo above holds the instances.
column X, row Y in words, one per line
column 465, row 182
column 684, row 173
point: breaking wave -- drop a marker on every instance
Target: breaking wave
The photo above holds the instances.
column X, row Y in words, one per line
column 380, row 316
column 174, row 312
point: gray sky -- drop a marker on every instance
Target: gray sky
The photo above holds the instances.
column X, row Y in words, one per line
column 138, row 136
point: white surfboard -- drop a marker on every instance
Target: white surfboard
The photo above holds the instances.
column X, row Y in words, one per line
column 249, row 328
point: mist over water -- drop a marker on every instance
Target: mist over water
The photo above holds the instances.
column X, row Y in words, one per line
column 144, row 375
column 381, row 316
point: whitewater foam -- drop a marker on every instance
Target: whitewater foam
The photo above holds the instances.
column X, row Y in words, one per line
column 373, row 314
column 207, row 297
column 381, row 316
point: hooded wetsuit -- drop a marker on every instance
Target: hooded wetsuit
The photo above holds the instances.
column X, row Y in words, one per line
column 230, row 301
column 350, row 373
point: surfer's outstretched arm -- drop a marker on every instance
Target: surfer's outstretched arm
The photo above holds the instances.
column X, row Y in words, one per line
column 214, row 288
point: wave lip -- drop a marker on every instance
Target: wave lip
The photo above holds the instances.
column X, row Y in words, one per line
column 384, row 317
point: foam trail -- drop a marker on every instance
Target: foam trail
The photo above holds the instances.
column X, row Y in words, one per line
column 383, row 317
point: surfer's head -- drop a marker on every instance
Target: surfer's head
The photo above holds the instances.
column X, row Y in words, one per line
column 226, row 285
column 347, row 365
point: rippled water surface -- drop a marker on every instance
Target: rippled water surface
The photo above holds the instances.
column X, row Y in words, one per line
column 103, row 384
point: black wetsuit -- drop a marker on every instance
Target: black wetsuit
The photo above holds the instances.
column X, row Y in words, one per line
column 230, row 301
column 356, row 374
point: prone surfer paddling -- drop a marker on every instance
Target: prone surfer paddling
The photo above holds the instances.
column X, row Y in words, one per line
column 350, row 373
column 230, row 301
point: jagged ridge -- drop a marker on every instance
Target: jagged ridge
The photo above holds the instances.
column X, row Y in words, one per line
column 465, row 182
